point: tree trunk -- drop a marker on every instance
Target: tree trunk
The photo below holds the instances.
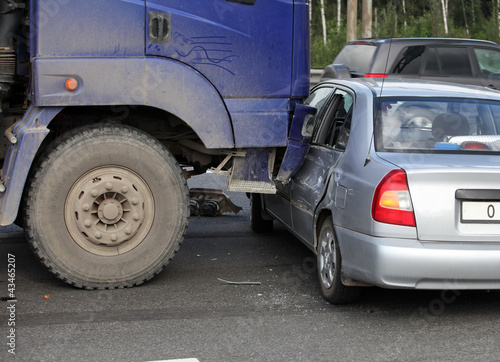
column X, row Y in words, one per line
column 310, row 12
column 323, row 20
column 465, row 18
column 404, row 15
column 339, row 3
column 498, row 15
column 444, row 5
column 367, row 19
column 352, row 19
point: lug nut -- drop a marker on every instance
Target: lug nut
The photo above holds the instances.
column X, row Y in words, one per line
column 87, row 223
column 98, row 235
column 86, row 207
column 124, row 189
column 109, row 186
column 94, row 193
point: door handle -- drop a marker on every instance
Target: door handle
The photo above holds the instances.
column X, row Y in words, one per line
column 159, row 27
column 246, row 2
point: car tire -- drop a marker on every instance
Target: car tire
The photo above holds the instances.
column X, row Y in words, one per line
column 257, row 222
column 106, row 207
column 329, row 262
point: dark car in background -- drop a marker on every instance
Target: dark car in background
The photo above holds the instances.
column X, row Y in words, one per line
column 463, row 61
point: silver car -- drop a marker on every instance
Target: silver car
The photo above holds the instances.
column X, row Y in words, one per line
column 400, row 187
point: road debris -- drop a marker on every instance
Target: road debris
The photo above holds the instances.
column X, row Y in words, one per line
column 238, row 283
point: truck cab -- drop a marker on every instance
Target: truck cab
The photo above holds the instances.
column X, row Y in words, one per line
column 101, row 98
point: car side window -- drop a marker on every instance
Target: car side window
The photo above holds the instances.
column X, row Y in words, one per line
column 489, row 62
column 409, row 60
column 336, row 124
column 448, row 61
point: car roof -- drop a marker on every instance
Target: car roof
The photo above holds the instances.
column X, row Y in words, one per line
column 414, row 88
column 455, row 41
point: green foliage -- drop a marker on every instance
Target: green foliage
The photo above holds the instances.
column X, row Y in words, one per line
column 424, row 18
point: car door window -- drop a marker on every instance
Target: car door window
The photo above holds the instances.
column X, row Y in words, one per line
column 448, row 61
column 319, row 97
column 334, row 128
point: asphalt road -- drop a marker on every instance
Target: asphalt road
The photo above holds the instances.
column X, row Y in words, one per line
column 187, row 313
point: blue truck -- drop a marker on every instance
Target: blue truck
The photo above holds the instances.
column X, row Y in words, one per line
column 108, row 106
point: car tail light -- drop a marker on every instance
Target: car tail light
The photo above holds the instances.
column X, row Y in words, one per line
column 392, row 201
column 375, row 75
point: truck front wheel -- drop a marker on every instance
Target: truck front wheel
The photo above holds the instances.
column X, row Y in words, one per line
column 107, row 207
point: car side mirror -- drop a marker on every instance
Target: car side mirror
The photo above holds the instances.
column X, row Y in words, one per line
column 308, row 127
column 302, row 123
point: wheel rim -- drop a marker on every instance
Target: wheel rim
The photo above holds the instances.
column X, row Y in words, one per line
column 109, row 210
column 327, row 259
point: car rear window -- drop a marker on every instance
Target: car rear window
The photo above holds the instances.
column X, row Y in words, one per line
column 437, row 125
column 358, row 57
column 448, row 61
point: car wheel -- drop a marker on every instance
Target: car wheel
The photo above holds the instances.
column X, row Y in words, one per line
column 257, row 221
column 106, row 207
column 330, row 268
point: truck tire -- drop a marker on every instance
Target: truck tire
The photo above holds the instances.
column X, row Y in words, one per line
column 106, row 207
column 257, row 222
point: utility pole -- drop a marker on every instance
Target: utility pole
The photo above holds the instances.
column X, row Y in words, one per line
column 352, row 19
column 366, row 31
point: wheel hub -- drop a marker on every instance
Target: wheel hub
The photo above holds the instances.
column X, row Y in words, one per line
column 327, row 260
column 108, row 207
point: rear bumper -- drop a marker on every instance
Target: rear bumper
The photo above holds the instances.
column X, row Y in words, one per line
column 409, row 263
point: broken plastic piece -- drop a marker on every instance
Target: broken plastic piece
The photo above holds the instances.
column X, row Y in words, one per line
column 210, row 202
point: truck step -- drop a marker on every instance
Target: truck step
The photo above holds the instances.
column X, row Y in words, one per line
column 252, row 173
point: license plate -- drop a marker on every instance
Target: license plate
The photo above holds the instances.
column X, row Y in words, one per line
column 481, row 211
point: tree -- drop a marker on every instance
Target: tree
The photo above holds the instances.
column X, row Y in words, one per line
column 323, row 20
column 339, row 3
column 444, row 5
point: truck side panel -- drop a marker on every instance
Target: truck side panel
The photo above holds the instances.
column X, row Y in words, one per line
column 301, row 60
column 244, row 50
column 69, row 28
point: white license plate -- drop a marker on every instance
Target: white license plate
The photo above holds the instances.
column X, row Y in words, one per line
column 480, row 211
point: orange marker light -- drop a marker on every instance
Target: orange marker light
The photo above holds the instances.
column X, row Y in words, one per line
column 71, row 84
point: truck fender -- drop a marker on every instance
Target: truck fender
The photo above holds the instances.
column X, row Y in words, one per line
column 30, row 133
column 150, row 81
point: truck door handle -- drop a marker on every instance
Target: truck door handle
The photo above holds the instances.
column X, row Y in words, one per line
column 159, row 27
column 246, row 2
